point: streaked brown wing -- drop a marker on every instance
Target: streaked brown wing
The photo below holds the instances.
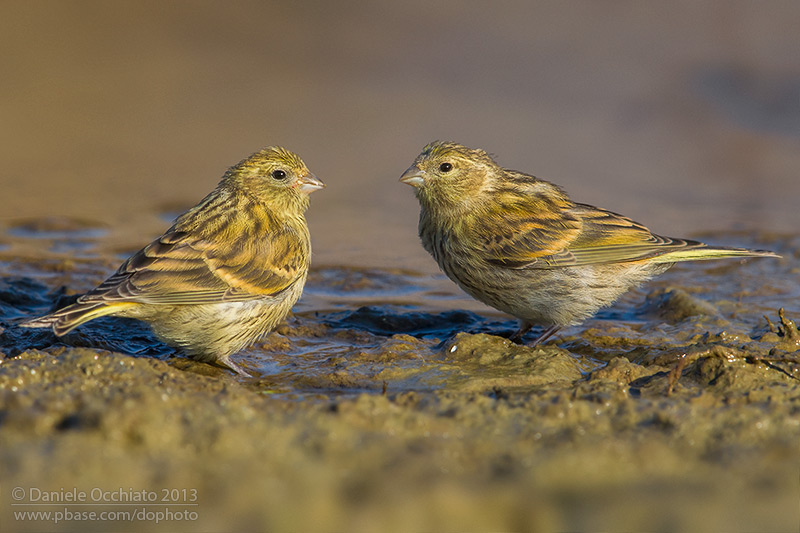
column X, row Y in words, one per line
column 517, row 236
column 179, row 268
column 603, row 237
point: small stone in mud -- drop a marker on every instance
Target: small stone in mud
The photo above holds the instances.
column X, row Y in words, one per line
column 674, row 305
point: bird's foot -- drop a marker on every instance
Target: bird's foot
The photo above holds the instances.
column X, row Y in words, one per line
column 524, row 327
column 546, row 334
column 230, row 365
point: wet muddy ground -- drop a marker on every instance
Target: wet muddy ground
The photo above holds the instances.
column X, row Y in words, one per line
column 389, row 401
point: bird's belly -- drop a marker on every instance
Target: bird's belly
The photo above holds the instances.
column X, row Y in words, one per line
column 550, row 297
column 208, row 331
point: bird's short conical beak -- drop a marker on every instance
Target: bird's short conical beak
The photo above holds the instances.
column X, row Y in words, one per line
column 310, row 183
column 413, row 176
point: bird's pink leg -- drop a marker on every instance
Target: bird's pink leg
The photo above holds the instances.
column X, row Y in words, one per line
column 546, row 334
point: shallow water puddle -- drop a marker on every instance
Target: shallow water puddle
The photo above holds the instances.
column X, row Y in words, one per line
column 398, row 330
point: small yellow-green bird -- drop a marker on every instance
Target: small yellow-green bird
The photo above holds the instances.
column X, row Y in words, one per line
column 520, row 245
column 226, row 272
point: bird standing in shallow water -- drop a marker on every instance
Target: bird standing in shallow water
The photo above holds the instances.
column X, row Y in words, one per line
column 520, row 245
column 227, row 272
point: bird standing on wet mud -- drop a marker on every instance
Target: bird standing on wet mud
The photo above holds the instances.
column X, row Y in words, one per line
column 522, row 246
column 227, row 271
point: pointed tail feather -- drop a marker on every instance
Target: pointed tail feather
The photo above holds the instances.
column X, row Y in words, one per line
column 65, row 320
column 707, row 253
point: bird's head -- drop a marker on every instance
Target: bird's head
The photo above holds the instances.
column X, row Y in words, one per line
column 275, row 176
column 449, row 175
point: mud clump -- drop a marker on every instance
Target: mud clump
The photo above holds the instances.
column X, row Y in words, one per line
column 490, row 362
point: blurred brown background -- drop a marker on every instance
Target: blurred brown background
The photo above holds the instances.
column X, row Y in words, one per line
column 684, row 115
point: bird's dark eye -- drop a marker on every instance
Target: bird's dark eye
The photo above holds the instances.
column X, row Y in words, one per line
column 446, row 167
column 279, row 174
